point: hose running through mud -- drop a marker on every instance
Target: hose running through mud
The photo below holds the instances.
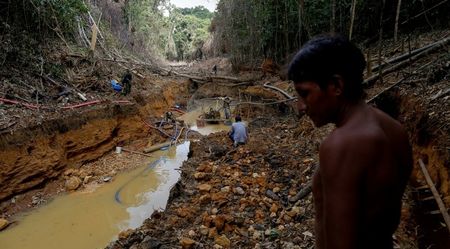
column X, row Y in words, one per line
column 150, row 166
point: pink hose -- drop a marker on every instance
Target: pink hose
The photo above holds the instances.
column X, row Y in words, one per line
column 31, row 106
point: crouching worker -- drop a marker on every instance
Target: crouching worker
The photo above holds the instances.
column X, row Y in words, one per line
column 239, row 132
column 126, row 83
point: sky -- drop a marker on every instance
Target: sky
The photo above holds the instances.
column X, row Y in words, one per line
column 209, row 4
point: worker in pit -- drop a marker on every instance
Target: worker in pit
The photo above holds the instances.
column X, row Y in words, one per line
column 126, row 83
column 226, row 107
column 169, row 118
column 239, row 132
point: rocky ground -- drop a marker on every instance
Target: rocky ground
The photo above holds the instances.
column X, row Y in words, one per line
column 253, row 196
column 246, row 197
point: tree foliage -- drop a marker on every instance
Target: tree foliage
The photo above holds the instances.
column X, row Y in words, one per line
column 147, row 27
column 254, row 29
column 190, row 31
column 42, row 17
column 198, row 11
column 178, row 35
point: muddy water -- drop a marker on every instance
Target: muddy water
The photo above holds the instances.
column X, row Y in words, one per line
column 94, row 217
column 191, row 118
column 91, row 219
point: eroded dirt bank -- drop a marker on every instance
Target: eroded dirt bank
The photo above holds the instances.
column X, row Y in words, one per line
column 32, row 156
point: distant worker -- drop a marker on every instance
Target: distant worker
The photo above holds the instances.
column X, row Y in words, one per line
column 214, row 69
column 168, row 117
column 126, row 83
column 239, row 132
column 226, row 107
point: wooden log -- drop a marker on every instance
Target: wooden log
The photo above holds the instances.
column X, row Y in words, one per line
column 94, row 36
column 267, row 103
column 156, row 128
column 436, row 195
column 374, row 78
column 423, row 12
column 384, row 90
column 302, row 193
column 235, row 84
column 135, row 152
column 157, row 147
column 179, row 135
column 413, row 53
column 279, row 90
column 440, row 94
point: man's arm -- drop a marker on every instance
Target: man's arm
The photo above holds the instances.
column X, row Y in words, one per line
column 343, row 162
column 231, row 132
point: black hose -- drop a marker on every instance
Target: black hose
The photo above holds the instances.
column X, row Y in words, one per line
column 150, row 166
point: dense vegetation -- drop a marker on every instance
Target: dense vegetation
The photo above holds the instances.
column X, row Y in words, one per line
column 255, row 29
column 41, row 17
column 247, row 31
column 142, row 26
column 190, row 31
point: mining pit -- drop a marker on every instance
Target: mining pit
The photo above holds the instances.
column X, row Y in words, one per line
column 64, row 184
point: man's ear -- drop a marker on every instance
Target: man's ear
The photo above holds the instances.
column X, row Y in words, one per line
column 337, row 83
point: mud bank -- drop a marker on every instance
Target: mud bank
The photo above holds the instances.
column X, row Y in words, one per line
column 32, row 156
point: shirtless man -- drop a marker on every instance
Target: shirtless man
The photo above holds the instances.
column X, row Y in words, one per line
column 365, row 162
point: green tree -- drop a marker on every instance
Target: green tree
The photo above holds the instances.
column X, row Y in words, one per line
column 249, row 31
column 190, row 31
column 148, row 28
column 198, row 11
column 42, row 17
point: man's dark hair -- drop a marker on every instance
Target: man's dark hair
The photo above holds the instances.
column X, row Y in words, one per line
column 325, row 56
column 238, row 118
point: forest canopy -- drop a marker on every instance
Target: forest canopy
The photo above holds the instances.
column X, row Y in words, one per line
column 251, row 30
column 246, row 31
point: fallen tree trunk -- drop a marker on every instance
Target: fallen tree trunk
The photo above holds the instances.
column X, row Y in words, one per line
column 267, row 103
column 187, row 76
column 279, row 90
column 436, row 195
column 412, row 53
column 302, row 193
column 385, row 90
column 157, row 147
column 435, row 46
column 156, row 128
column 236, row 84
column 423, row 12
column 135, row 152
column 403, row 80
column 208, row 78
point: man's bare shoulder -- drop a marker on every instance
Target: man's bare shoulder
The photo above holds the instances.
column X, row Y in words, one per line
column 354, row 138
column 354, row 145
column 389, row 124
